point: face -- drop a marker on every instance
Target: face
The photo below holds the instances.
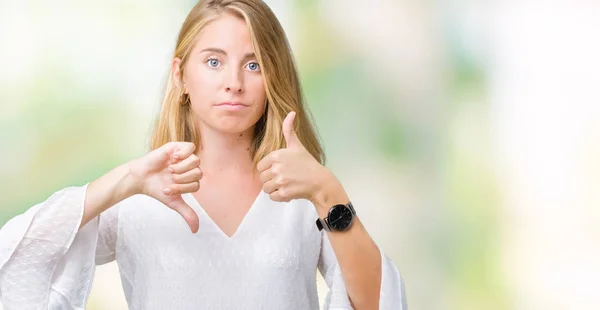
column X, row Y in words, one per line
column 223, row 77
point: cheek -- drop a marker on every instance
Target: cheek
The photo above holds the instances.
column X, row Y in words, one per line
column 256, row 89
column 202, row 86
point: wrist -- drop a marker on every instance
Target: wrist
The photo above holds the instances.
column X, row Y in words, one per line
column 108, row 190
column 329, row 193
column 131, row 180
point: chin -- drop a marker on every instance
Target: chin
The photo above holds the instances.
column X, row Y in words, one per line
column 232, row 125
column 227, row 122
column 234, row 129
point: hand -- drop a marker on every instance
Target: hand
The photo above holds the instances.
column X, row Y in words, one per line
column 292, row 172
column 166, row 173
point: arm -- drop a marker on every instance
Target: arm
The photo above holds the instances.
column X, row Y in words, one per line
column 54, row 242
column 106, row 191
column 370, row 279
column 357, row 254
column 43, row 250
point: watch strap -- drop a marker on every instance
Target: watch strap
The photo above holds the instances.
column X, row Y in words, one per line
column 351, row 207
column 322, row 224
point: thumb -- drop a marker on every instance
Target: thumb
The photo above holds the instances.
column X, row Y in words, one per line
column 186, row 212
column 291, row 139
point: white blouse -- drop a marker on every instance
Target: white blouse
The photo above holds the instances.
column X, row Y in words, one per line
column 270, row 262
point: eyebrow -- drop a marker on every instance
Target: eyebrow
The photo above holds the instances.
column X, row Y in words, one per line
column 220, row 51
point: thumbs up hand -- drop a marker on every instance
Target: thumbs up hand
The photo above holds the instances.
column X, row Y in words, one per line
column 291, row 172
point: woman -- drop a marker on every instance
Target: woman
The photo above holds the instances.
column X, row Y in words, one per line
column 264, row 212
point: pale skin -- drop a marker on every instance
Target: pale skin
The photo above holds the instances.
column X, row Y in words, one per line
column 220, row 174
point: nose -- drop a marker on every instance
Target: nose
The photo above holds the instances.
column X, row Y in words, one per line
column 235, row 81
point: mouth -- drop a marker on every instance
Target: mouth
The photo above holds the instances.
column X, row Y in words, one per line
column 231, row 106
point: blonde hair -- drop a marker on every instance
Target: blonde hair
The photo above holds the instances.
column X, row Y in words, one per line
column 282, row 85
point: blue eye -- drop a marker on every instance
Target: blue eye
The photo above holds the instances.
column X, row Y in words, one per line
column 213, row 62
column 253, row 66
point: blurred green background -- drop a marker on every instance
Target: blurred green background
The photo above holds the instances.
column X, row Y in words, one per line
column 466, row 133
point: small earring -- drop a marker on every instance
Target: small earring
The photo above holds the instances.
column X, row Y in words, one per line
column 184, row 98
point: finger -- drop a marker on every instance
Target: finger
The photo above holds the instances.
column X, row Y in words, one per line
column 178, row 189
column 187, row 177
column 265, row 163
column 279, row 195
column 291, row 139
column 267, row 175
column 183, row 150
column 188, row 214
column 187, row 164
column 271, row 186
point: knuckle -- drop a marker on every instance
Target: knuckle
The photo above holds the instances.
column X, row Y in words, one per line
column 261, row 167
column 176, row 168
column 275, row 156
column 283, row 193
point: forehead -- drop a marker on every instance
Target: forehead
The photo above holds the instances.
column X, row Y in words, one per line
column 227, row 32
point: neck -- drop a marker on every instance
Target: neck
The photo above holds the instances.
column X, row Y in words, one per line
column 225, row 152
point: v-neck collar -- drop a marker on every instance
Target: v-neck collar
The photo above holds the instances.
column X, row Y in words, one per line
column 196, row 203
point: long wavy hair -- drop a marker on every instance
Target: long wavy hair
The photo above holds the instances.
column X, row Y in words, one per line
column 282, row 85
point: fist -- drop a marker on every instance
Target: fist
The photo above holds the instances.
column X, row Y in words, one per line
column 167, row 172
column 291, row 172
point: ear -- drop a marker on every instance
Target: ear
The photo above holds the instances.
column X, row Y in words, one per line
column 176, row 70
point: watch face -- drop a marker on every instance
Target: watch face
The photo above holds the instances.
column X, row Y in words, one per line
column 340, row 217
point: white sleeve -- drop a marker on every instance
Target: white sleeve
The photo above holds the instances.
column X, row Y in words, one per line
column 392, row 294
column 46, row 261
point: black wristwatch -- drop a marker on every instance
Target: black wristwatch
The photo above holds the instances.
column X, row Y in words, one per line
column 339, row 218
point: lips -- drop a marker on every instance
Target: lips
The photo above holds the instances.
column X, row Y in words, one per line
column 232, row 104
